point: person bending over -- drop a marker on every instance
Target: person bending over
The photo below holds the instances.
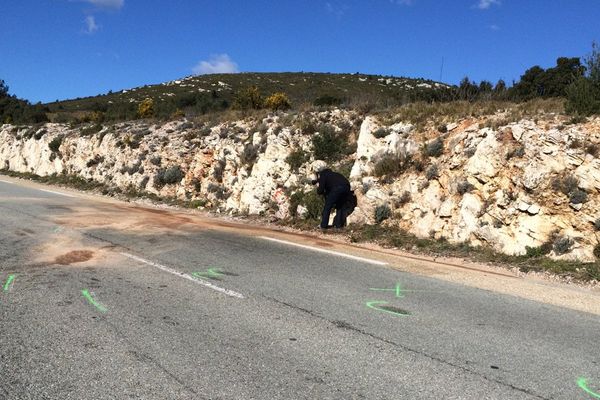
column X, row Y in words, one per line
column 336, row 189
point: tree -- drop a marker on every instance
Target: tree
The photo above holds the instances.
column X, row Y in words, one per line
column 467, row 90
column 592, row 63
column 3, row 89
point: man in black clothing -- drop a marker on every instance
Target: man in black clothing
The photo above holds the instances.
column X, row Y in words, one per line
column 336, row 189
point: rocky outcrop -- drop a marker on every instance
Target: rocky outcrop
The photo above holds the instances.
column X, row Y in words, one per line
column 516, row 186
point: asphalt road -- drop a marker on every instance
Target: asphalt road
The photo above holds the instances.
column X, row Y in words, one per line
column 101, row 300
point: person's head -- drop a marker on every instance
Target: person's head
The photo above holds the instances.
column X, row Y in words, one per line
column 319, row 166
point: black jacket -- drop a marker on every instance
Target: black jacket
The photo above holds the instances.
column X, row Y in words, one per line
column 327, row 180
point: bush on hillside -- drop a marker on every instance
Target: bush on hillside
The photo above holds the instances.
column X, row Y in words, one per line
column 146, row 108
column 328, row 145
column 278, row 101
column 248, row 99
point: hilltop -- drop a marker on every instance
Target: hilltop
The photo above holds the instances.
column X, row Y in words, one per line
column 200, row 94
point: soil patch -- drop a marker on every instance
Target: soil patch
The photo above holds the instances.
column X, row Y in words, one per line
column 74, row 256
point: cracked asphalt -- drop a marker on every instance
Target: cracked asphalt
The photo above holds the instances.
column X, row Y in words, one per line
column 308, row 325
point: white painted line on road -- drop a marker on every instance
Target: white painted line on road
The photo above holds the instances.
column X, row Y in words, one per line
column 228, row 292
column 335, row 253
column 3, row 181
column 59, row 193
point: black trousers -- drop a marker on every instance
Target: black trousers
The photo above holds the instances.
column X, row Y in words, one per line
column 335, row 198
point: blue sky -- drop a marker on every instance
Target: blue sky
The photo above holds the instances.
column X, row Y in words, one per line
column 59, row 49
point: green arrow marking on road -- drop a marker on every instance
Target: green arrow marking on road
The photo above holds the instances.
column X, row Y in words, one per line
column 10, row 279
column 582, row 382
column 380, row 306
column 93, row 302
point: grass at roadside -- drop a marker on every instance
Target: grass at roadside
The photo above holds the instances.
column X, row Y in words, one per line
column 398, row 238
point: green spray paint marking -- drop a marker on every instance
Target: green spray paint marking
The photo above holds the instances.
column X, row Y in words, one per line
column 582, row 382
column 398, row 290
column 380, row 306
column 211, row 273
column 93, row 302
column 10, row 279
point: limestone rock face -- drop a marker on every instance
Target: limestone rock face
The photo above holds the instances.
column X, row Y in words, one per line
column 494, row 187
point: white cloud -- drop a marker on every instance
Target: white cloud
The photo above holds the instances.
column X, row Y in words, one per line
column 485, row 4
column 402, row 2
column 494, row 27
column 90, row 24
column 336, row 9
column 216, row 64
column 114, row 4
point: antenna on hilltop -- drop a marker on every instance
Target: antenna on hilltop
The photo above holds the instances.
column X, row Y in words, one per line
column 442, row 69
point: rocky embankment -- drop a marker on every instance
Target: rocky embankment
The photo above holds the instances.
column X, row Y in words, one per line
column 530, row 185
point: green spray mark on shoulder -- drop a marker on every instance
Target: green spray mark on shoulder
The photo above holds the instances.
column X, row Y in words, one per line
column 211, row 273
column 8, row 282
column 582, row 382
column 93, row 302
column 381, row 306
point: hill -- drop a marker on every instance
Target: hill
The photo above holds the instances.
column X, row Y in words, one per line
column 195, row 95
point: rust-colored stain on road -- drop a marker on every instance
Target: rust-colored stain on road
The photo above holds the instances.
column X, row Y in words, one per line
column 74, row 256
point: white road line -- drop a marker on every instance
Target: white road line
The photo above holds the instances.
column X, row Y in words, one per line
column 5, row 181
column 59, row 193
column 228, row 292
column 335, row 253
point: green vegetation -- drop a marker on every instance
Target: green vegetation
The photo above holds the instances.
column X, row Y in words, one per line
column 296, row 159
column 168, row 176
column 277, row 101
column 329, row 145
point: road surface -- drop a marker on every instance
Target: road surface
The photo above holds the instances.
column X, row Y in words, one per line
column 106, row 300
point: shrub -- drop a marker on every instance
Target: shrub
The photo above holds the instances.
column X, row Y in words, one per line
column 382, row 213
column 248, row 99
column 562, row 245
column 328, row 145
column 278, row 101
column 404, row 198
column 249, row 154
column 168, row 176
column 464, row 187
column 533, row 252
column 156, row 160
column 435, row 148
column 296, row 159
column 310, row 200
column 578, row 196
column 391, row 165
column 90, row 130
column 583, row 98
column 592, row 149
column 327, row 100
column 55, row 143
column 566, row 184
column 146, row 108
column 381, row 133
column 597, row 224
column 597, row 251
column 218, row 171
column 432, row 172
